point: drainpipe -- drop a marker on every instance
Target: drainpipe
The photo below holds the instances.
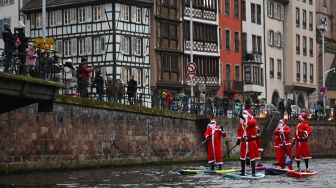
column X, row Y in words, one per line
column 265, row 64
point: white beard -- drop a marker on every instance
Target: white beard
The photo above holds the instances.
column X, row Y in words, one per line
column 212, row 126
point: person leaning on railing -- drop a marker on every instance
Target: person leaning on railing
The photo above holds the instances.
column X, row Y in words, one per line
column 10, row 46
column 83, row 78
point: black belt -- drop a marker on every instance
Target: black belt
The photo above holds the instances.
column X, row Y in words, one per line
column 303, row 140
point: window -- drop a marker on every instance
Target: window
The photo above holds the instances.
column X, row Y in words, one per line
column 304, row 45
column 297, row 44
column 219, row 7
column 237, row 42
column 125, row 48
column 279, row 12
column 279, row 69
column 220, row 37
column 169, row 64
column 98, row 45
column 67, row 48
column 137, row 46
column 297, row 13
column 311, row 72
column 304, row 19
column 258, row 14
column 310, row 2
column 237, row 73
column 298, row 71
column 270, row 37
column 236, row 8
column 325, row 3
column 6, row 2
column 279, row 39
column 259, row 44
column 98, row 13
column 254, row 44
column 228, row 72
column 82, row 46
column 244, row 42
column 52, row 18
column 38, row 20
column 311, row 47
column 305, row 72
column 138, row 15
column 168, row 34
column 271, row 68
column 253, row 18
column 247, row 74
column 125, row 13
column 227, row 40
column 310, row 21
column 82, row 15
column 227, row 7
column 3, row 21
column 244, row 10
column 70, row 16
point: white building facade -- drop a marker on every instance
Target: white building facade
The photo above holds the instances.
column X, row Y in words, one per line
column 114, row 37
column 253, row 49
column 274, row 50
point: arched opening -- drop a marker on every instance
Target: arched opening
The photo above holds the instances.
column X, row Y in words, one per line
column 275, row 98
column 301, row 101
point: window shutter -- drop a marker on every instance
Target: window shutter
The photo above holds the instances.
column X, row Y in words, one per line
column 74, row 47
column 88, row 11
column 282, row 13
column 102, row 43
column 268, row 9
column 133, row 12
column 144, row 46
column 122, row 44
column 134, row 41
column 269, row 36
column 275, row 42
column 59, row 47
column 144, row 15
column 88, row 44
column 73, row 15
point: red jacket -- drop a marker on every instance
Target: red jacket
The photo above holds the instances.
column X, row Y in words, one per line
column 215, row 144
column 302, row 131
column 248, row 129
column 85, row 71
column 277, row 136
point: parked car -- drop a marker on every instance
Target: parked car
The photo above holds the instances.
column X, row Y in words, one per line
column 266, row 110
column 296, row 111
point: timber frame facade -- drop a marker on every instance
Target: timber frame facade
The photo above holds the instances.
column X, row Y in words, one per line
column 113, row 35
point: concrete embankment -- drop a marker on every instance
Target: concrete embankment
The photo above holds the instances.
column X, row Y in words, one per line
column 81, row 134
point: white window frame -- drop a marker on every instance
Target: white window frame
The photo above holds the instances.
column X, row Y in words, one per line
column 138, row 15
column 98, row 45
column 67, row 48
column 124, row 45
column 81, row 14
column 82, row 46
column 98, row 13
column 67, row 16
column 125, row 13
column 138, row 46
column 52, row 18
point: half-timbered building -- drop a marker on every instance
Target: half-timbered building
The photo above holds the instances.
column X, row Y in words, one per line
column 205, row 44
column 113, row 35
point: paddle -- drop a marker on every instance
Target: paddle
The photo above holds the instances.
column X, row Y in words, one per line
column 188, row 154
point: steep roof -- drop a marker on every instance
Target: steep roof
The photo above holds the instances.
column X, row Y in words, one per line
column 37, row 4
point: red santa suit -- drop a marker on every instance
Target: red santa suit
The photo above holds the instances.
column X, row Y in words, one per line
column 258, row 140
column 247, row 134
column 282, row 143
column 214, row 134
column 301, row 135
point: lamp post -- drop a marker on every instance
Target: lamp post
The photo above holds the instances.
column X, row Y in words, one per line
column 44, row 20
column 323, row 29
column 191, row 48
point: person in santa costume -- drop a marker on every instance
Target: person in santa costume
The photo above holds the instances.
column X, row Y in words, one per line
column 282, row 144
column 301, row 135
column 246, row 137
column 213, row 134
column 260, row 148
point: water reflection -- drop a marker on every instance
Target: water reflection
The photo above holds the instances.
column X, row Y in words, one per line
column 167, row 176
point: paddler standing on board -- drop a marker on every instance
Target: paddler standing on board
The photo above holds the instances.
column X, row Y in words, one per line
column 301, row 135
column 213, row 134
column 246, row 137
column 282, row 144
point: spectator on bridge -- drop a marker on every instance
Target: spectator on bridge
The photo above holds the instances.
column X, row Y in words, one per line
column 69, row 76
column 30, row 60
column 110, row 89
column 99, row 83
column 20, row 35
column 289, row 109
column 131, row 90
column 120, row 90
column 83, row 76
column 10, row 46
column 282, row 108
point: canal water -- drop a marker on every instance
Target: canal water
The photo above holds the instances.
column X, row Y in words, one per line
column 168, row 176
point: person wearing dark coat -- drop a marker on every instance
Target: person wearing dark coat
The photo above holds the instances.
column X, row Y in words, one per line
column 282, row 108
column 20, row 35
column 10, row 46
column 131, row 90
column 99, row 83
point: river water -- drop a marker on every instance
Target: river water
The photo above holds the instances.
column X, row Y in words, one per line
column 168, row 176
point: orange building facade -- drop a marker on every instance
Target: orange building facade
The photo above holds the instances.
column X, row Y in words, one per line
column 230, row 36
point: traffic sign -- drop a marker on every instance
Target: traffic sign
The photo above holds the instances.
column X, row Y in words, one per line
column 191, row 75
column 191, row 67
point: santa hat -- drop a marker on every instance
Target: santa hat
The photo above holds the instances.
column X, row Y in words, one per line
column 213, row 120
column 284, row 121
column 303, row 117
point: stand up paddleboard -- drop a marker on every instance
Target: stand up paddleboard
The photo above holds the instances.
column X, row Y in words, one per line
column 294, row 173
column 206, row 171
column 247, row 176
column 260, row 168
column 275, row 171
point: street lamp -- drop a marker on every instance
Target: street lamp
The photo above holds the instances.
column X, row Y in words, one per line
column 323, row 28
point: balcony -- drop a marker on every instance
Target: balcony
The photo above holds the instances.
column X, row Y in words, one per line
column 252, row 57
column 233, row 86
